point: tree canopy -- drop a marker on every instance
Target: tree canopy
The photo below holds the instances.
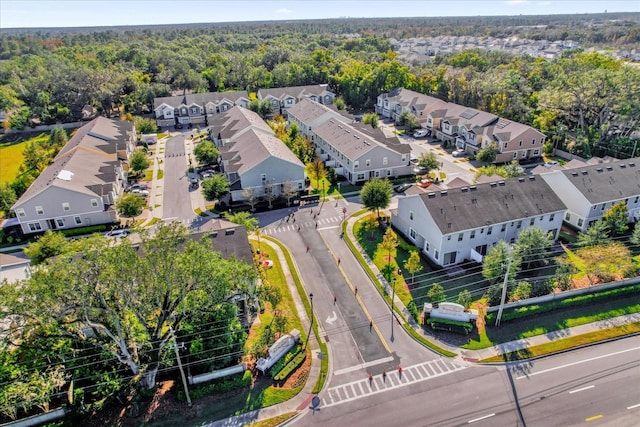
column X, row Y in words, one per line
column 376, row 194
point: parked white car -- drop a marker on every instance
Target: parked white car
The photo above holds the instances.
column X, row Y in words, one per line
column 421, row 133
column 140, row 192
column 458, row 153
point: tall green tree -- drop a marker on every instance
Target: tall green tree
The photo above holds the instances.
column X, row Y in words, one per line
column 436, row 294
column 138, row 161
column 532, row 246
column 635, row 236
column 206, row 152
column 145, row 125
column 464, row 298
column 429, row 161
column 488, row 153
column 616, row 219
column 7, row 200
column 130, row 205
column 388, row 247
column 496, row 261
column 215, row 187
column 48, row 245
column 316, row 170
column 413, row 264
column 376, row 194
column 129, row 302
column 596, row 234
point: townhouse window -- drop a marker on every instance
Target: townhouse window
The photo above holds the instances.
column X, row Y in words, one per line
column 94, row 203
column 520, row 144
column 568, row 216
column 20, row 212
column 542, row 140
column 360, row 177
column 533, row 141
column 60, row 222
column 412, row 233
column 473, row 234
column 263, row 177
column 385, row 160
column 436, row 255
column 66, row 206
column 426, row 246
column 504, row 145
column 602, row 207
column 551, row 217
column 449, row 237
column 356, row 164
column 515, row 154
column 388, row 172
column 35, row 226
column 519, row 225
column 532, row 221
column 367, row 162
column 580, row 222
column 636, row 200
column 460, row 237
column 39, row 210
column 504, row 227
column 411, row 215
column 77, row 219
column 489, row 231
column 536, row 152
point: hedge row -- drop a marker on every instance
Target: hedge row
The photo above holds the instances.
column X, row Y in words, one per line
column 220, row 385
column 530, row 310
column 291, row 366
column 450, row 325
column 84, row 230
column 280, row 364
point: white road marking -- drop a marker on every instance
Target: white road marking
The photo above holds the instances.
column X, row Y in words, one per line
column 332, row 318
column 481, row 418
column 378, row 384
column 581, row 389
column 363, row 365
column 634, row 406
column 576, row 363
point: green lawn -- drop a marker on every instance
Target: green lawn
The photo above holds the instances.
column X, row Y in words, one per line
column 11, row 157
column 552, row 321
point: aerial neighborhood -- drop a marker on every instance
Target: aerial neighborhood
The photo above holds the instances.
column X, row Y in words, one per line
column 337, row 218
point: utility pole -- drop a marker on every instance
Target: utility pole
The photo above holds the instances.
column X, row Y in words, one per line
column 635, row 145
column 184, row 379
column 504, row 287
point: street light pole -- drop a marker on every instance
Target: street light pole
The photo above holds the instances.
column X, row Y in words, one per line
column 310, row 323
column 504, row 288
column 393, row 297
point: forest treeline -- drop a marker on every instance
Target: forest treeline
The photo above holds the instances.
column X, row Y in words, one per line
column 585, row 102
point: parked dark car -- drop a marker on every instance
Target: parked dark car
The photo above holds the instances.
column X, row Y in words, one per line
column 401, row 188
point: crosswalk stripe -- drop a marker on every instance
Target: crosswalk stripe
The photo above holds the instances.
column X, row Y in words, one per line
column 361, row 388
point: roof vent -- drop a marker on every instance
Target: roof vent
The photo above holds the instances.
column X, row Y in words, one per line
column 229, row 231
column 431, row 195
column 521, row 179
column 632, row 164
column 574, row 173
column 465, row 189
column 599, row 169
column 443, row 193
column 493, row 184
column 622, row 165
column 609, row 168
column 473, row 188
column 586, row 172
column 501, row 183
column 532, row 178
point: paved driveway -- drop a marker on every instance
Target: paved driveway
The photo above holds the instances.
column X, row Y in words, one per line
column 176, row 199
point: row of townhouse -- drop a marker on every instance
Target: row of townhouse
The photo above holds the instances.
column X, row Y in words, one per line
column 201, row 108
column 470, row 129
column 256, row 163
column 463, row 223
column 81, row 185
column 357, row 151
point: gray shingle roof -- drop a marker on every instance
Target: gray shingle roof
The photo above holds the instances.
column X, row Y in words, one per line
column 308, row 110
column 606, row 182
column 91, row 155
column 200, row 98
column 230, row 239
column 297, row 92
column 482, row 205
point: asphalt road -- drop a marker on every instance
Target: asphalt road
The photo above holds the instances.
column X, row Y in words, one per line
column 176, row 203
column 597, row 385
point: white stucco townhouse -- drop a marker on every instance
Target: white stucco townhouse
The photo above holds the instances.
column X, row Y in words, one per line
column 81, row 185
column 462, row 224
column 590, row 190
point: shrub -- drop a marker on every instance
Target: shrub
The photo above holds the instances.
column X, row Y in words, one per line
column 280, row 364
column 529, row 310
column 84, row 230
column 456, row 326
column 291, row 366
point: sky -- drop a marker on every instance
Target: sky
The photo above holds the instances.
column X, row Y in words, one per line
column 93, row 13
